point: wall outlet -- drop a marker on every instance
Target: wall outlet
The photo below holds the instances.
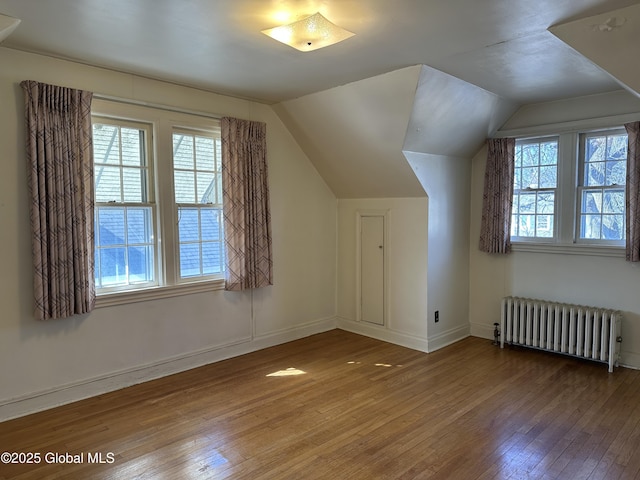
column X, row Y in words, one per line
column 437, row 316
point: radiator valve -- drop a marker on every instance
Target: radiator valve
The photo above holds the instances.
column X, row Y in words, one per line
column 496, row 334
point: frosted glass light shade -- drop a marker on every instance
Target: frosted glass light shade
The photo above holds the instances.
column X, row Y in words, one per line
column 309, row 34
column 7, row 25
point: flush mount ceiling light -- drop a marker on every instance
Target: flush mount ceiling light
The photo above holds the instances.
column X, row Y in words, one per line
column 7, row 25
column 309, row 33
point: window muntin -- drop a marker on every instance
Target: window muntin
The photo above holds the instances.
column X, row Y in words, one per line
column 601, row 190
column 125, row 247
column 534, row 193
column 198, row 197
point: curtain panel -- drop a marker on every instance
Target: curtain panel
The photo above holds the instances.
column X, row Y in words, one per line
column 247, row 217
column 60, row 182
column 633, row 193
column 497, row 199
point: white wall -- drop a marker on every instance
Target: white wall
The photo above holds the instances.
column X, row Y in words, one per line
column 583, row 279
column 406, row 252
column 446, row 180
column 46, row 363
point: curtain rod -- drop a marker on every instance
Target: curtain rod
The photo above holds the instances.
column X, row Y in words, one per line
column 157, row 106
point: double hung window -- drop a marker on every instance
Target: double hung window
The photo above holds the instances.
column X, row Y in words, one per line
column 570, row 189
column 125, row 241
column 198, row 196
column 158, row 202
column 601, row 190
column 534, row 188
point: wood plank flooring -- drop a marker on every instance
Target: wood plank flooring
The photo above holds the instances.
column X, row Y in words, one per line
column 362, row 409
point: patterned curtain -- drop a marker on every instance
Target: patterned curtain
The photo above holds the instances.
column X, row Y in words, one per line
column 633, row 193
column 497, row 200
column 247, row 219
column 60, row 182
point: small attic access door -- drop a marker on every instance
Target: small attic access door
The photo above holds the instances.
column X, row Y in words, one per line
column 371, row 267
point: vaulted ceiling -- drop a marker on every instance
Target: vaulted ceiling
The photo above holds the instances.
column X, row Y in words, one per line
column 414, row 70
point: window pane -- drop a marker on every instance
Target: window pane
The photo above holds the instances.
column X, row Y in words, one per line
column 106, row 144
column 548, row 177
column 549, row 153
column 530, row 177
column 139, row 225
column 210, row 219
column 190, row 260
column 592, row 201
column 212, row 258
column 530, row 154
column 125, row 249
column 613, row 227
column 113, row 267
column 594, row 174
column 132, row 144
column 132, row 181
column 546, row 203
column 140, row 264
column 613, row 201
column 527, row 225
column 188, row 224
column 616, row 147
column 616, row 173
column 182, row 151
column 544, row 226
column 107, row 184
column 595, row 149
column 110, row 226
column 185, row 187
column 590, row 226
column 205, row 159
column 527, row 203
column 206, row 188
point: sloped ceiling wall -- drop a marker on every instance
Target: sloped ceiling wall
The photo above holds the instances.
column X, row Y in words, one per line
column 356, row 134
column 451, row 117
column 610, row 41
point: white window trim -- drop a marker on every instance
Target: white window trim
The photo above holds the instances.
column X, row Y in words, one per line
column 109, row 299
column 565, row 243
column 163, row 120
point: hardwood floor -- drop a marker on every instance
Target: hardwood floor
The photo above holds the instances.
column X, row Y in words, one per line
column 362, row 409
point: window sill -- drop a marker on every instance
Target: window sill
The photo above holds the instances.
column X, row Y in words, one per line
column 133, row 296
column 570, row 249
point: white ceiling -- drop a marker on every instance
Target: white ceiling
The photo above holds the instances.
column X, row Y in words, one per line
column 415, row 71
column 502, row 46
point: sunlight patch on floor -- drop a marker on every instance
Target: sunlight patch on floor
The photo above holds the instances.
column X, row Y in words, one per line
column 289, row 372
column 385, row 365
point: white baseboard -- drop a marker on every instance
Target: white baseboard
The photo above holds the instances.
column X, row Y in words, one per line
column 444, row 339
column 482, row 330
column 422, row 344
column 630, row 360
column 384, row 334
column 69, row 393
